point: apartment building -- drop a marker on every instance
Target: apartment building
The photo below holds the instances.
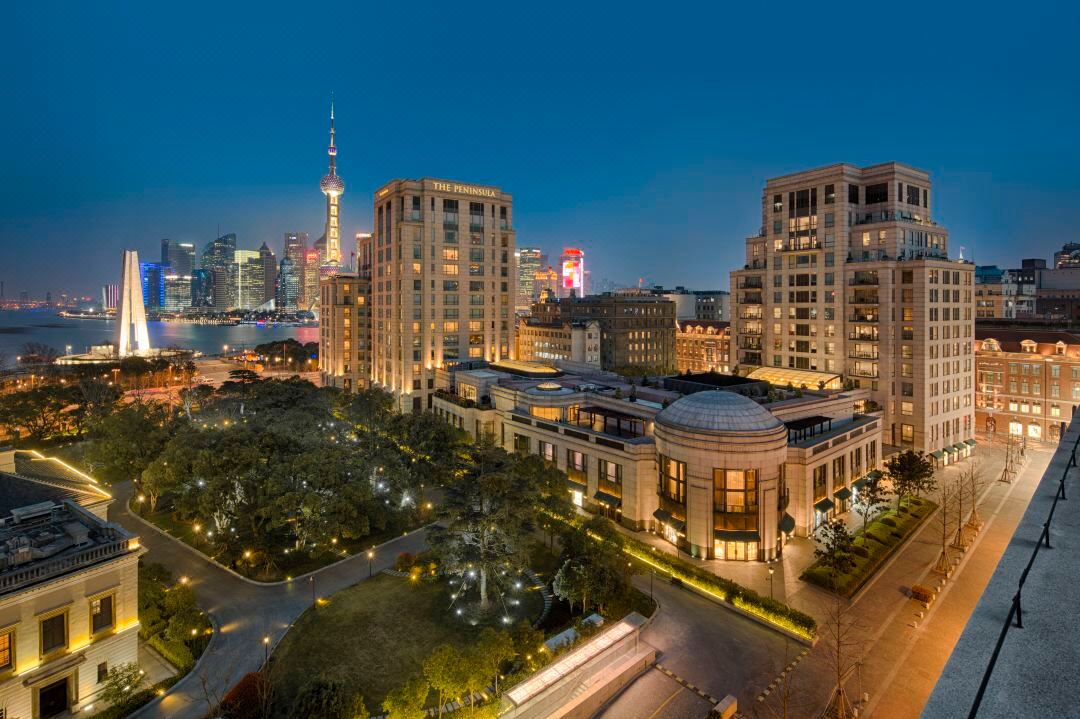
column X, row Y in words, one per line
column 345, row 332
column 849, row 278
column 443, row 282
column 68, row 589
column 702, row 346
column 635, row 330
column 719, row 474
column 1027, row 381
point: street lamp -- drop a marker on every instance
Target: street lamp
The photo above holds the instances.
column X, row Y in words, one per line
column 311, row 581
column 370, row 556
column 266, row 650
column 771, row 570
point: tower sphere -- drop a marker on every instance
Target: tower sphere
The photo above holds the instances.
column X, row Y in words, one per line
column 332, row 185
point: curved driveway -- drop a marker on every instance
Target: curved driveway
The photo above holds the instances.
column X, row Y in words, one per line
column 243, row 612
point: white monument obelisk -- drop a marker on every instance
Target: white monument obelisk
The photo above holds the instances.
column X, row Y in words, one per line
column 133, row 337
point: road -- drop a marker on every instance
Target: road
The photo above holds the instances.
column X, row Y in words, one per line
column 707, row 646
column 243, row 612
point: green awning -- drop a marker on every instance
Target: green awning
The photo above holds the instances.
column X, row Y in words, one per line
column 575, row 486
column 824, row 505
column 609, row 499
column 950, row 449
column 860, row 482
column 937, row 454
column 959, row 447
column 666, row 517
column 735, row 535
column 970, row 442
column 842, row 493
column 874, row 474
column 787, row 523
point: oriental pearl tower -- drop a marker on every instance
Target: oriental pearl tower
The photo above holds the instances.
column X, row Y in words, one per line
column 332, row 186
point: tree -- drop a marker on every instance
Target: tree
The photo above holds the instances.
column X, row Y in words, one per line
column 38, row 353
column 128, row 440
column 443, row 672
column 39, row 411
column 121, row 683
column 95, row 399
column 975, row 481
column 834, row 550
column 946, row 493
column 407, row 701
column 326, row 699
column 870, row 496
column 911, row 473
column 493, row 648
column 571, row 583
column 488, row 518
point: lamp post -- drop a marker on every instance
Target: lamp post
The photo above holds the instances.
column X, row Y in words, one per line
column 370, row 556
column 266, row 650
column 771, row 570
column 311, row 581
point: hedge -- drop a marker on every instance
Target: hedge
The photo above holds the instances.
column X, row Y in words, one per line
column 176, row 653
column 770, row 610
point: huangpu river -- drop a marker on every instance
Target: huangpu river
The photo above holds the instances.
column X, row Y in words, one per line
column 18, row 327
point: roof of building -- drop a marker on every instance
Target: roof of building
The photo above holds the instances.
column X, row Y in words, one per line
column 30, row 478
column 796, row 377
column 702, row 326
column 717, row 411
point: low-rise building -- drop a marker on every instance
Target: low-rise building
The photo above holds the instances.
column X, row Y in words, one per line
column 68, row 588
column 1027, row 381
column 720, row 474
column 568, row 341
column 702, row 346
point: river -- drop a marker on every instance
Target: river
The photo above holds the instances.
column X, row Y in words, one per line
column 17, row 327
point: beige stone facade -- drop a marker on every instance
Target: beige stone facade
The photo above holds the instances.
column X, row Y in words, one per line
column 577, row 342
column 443, row 281
column 345, row 332
column 850, row 277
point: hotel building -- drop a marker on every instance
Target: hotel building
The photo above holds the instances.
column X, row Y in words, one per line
column 345, row 332
column 548, row 343
column 68, row 588
column 850, row 280
column 720, row 473
column 443, row 282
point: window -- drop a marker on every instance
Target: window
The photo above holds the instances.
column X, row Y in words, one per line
column 877, row 193
column 7, row 651
column 830, row 194
column 521, row 443
column 820, row 482
column 54, row 633
column 673, row 479
column 103, row 668
column 735, row 491
column 547, row 451
column 101, row 614
column 853, row 194
column 610, row 472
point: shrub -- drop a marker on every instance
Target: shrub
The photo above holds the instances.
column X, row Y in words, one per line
column 247, row 699
column 176, row 653
column 888, row 521
column 860, row 551
column 404, row 562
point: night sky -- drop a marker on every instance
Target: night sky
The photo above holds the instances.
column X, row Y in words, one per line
column 641, row 133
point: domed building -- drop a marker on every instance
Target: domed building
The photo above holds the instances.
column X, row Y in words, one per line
column 719, row 456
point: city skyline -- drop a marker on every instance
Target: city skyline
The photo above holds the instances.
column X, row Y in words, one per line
column 668, row 148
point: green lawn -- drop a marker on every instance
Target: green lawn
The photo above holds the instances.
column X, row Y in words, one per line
column 375, row 635
column 883, row 535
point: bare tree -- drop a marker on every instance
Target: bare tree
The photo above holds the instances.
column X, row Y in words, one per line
column 791, row 698
column 975, row 480
column 840, row 639
column 946, row 493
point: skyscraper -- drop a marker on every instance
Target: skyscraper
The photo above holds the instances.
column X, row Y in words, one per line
column 332, row 186
column 249, row 278
column 295, row 248
column 288, row 286
column 202, row 289
column 850, row 282
column 219, row 257
column 443, row 289
column 177, row 292
column 152, row 279
column 310, row 278
column 178, row 257
column 528, row 264
column 132, row 335
column 572, row 267
column 269, row 265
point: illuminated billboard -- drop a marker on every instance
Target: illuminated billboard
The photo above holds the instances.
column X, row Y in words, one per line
column 573, row 272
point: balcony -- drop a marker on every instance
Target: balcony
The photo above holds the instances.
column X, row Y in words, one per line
column 750, row 329
column 871, row 218
column 750, row 343
column 862, row 317
column 750, row 300
column 863, row 336
column 863, row 354
column 863, row 300
column 751, row 314
column 864, row 372
column 750, row 283
column 861, row 279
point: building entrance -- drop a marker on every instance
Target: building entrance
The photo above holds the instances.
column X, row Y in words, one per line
column 53, row 699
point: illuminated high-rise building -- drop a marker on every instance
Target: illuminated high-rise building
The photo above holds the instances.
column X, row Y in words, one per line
column 152, row 278
column 132, row 335
column 179, row 257
column 310, row 279
column 288, row 286
column 443, row 285
column 572, row 268
column 528, row 264
column 249, row 278
column 332, row 186
column 269, row 266
column 177, row 292
column 219, row 257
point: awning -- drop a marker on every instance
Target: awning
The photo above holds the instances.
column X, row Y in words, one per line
column 842, row 493
column 735, row 535
column 950, row 449
column 970, row 442
column 824, row 505
column 665, row 517
column 959, row 447
column 937, row 454
column 874, row 474
column 787, row 523
column 609, row 499
column 860, row 482
column 575, row 486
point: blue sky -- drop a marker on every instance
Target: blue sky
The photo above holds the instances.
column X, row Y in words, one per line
column 640, row 132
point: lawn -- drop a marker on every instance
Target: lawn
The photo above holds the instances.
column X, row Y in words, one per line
column 375, row 635
column 883, row 535
column 288, row 563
